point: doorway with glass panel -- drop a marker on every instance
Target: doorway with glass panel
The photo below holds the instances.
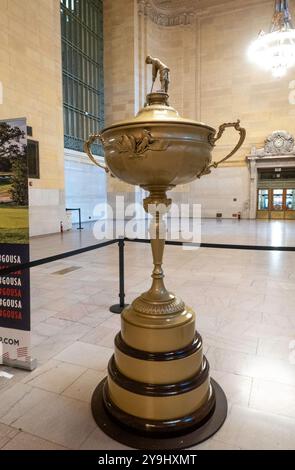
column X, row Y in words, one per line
column 276, row 194
column 276, row 204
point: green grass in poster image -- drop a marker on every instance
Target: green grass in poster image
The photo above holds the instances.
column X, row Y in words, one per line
column 5, row 187
column 14, row 224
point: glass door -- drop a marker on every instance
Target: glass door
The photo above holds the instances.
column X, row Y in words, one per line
column 276, row 204
column 290, row 199
column 263, row 200
column 290, row 204
column 278, row 199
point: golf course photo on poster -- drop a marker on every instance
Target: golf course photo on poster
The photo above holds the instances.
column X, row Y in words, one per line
column 14, row 213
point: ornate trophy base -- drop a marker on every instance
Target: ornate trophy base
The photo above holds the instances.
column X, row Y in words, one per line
column 158, row 394
column 188, row 437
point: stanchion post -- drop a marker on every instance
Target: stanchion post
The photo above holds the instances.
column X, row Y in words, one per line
column 80, row 225
column 79, row 215
column 118, row 308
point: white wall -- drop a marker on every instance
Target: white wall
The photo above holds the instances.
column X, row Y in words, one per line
column 46, row 211
column 216, row 192
column 85, row 185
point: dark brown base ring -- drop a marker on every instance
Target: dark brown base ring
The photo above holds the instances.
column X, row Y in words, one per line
column 136, row 440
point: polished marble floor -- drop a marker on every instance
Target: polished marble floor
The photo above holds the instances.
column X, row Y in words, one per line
column 245, row 304
column 248, row 232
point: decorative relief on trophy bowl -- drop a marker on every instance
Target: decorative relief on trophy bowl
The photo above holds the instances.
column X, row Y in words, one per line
column 136, row 147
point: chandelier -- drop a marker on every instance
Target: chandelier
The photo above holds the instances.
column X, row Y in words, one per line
column 275, row 51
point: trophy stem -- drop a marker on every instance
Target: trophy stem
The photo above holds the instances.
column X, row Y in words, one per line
column 158, row 289
column 157, row 205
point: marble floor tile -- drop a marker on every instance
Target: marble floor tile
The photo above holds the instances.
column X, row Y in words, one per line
column 206, row 325
column 75, row 312
column 83, row 388
column 228, row 316
column 21, row 398
column 102, row 335
column 276, row 347
column 58, row 305
column 113, row 321
column 67, row 328
column 48, row 329
column 88, row 289
column 9, row 376
column 285, row 322
column 39, row 315
column 95, row 318
column 39, row 371
column 58, row 419
column 273, row 397
column 226, row 338
column 103, row 300
column 267, row 330
column 252, row 429
column 55, row 294
column 55, row 376
column 6, row 434
column 207, row 302
column 249, row 365
column 25, row 441
column 97, row 440
column 38, row 303
column 236, row 387
column 214, row 444
column 67, row 333
column 246, row 301
column 278, row 305
column 48, row 348
column 86, row 355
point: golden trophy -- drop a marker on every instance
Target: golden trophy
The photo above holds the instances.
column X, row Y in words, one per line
column 158, row 393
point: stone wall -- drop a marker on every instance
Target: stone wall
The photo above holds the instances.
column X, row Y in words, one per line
column 30, row 72
column 211, row 79
column 231, row 87
column 119, row 72
column 119, row 59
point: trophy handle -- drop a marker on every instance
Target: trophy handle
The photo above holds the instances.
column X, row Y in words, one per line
column 87, row 149
column 213, row 139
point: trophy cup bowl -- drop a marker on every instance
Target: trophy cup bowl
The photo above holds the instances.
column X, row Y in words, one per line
column 158, row 147
column 158, row 393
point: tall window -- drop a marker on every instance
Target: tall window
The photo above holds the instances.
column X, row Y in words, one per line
column 82, row 64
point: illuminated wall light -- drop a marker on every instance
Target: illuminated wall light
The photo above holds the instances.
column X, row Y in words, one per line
column 275, row 51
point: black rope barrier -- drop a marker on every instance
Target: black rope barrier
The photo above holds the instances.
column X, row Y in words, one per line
column 118, row 308
column 218, row 245
column 49, row 259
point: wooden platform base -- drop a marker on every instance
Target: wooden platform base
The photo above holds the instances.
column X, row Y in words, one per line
column 131, row 438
